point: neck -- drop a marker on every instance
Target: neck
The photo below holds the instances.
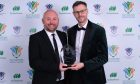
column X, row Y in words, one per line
column 50, row 30
column 82, row 24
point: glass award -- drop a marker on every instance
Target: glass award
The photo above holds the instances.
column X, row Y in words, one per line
column 69, row 52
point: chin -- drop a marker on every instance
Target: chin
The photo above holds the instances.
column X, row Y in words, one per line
column 81, row 21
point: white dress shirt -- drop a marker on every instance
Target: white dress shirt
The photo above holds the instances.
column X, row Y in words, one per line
column 59, row 45
column 79, row 41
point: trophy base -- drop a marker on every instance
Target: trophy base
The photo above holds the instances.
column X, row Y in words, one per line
column 67, row 66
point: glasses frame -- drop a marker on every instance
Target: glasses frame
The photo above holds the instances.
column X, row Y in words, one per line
column 81, row 11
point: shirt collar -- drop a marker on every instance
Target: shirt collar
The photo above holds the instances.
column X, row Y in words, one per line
column 50, row 33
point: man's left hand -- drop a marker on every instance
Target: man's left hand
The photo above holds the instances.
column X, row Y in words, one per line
column 77, row 66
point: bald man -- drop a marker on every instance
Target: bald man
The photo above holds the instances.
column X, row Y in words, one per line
column 45, row 52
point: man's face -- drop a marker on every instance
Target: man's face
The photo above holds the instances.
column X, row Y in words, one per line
column 80, row 12
column 50, row 21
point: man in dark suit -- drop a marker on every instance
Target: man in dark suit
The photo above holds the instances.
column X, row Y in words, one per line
column 90, row 43
column 45, row 52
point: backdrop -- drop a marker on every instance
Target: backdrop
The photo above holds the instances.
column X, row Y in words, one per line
column 21, row 18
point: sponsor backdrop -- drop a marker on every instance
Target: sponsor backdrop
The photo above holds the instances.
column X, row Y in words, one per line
column 21, row 18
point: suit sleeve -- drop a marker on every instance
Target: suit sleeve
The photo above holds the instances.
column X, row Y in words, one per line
column 35, row 60
column 101, row 52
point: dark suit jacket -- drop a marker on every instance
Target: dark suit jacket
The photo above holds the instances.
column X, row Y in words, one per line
column 42, row 58
column 94, row 55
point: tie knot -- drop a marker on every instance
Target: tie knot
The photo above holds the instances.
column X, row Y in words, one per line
column 81, row 29
column 53, row 35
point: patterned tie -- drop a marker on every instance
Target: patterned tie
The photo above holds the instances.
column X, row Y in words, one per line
column 57, row 55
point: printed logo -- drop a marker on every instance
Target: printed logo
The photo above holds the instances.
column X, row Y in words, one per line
column 49, row 6
column 113, row 29
column 16, row 8
column 33, row 6
column 65, row 28
column 17, row 29
column 65, row 8
column 16, row 51
column 1, row 7
column 113, row 75
column 1, row 52
column 128, row 51
column 113, row 50
column 97, row 7
column 30, row 73
column 33, row 30
column 17, row 76
column 139, row 26
column 129, row 73
column 128, row 29
column 2, row 75
column 112, row 8
column 139, row 35
column 128, row 6
column 2, row 28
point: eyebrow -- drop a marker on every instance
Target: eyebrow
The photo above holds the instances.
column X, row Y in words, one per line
column 79, row 11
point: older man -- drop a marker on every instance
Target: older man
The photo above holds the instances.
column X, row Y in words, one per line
column 45, row 52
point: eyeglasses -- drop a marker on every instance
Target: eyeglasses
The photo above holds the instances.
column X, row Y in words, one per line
column 81, row 11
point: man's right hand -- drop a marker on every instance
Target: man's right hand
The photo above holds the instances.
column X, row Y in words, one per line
column 63, row 67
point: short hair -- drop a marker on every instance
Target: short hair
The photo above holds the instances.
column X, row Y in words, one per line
column 78, row 3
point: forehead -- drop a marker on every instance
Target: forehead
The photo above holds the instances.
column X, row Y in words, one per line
column 50, row 14
column 79, row 7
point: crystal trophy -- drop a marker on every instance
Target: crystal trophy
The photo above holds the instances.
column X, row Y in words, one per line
column 69, row 52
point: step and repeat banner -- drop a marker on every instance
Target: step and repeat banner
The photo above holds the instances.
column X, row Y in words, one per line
column 21, row 18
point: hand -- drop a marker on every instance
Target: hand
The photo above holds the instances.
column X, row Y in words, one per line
column 61, row 67
column 77, row 66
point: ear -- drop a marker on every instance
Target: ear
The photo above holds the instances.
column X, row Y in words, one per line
column 73, row 14
column 42, row 20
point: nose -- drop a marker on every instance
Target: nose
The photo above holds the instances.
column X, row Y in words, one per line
column 51, row 21
column 79, row 13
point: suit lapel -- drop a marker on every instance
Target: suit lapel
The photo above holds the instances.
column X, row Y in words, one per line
column 73, row 38
column 46, row 38
column 90, row 31
column 62, row 38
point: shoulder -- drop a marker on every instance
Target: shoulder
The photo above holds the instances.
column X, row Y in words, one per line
column 38, row 34
column 61, row 33
column 72, row 28
column 96, row 26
